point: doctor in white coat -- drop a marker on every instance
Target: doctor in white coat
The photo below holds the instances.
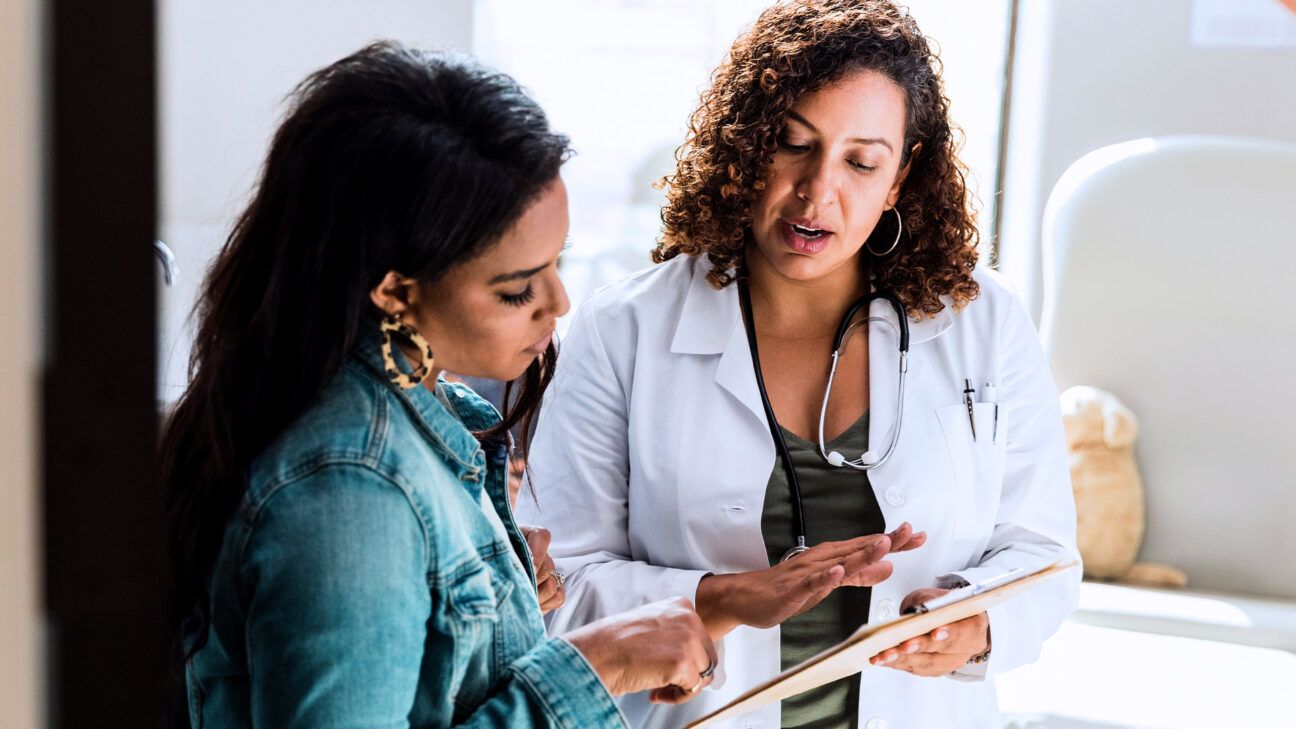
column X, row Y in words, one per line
column 654, row 449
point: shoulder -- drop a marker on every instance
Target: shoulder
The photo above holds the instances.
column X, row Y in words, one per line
column 345, row 423
column 355, row 428
column 652, row 290
column 997, row 302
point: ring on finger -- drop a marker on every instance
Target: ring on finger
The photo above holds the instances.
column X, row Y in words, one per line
column 710, row 669
column 558, row 576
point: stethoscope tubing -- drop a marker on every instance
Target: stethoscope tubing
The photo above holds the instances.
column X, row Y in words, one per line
column 794, row 485
column 776, row 433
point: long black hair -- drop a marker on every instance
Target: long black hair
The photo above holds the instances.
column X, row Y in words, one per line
column 391, row 159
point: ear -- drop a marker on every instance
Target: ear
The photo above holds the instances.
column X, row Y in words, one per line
column 893, row 196
column 395, row 295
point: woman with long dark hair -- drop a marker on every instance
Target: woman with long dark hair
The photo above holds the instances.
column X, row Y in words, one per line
column 345, row 554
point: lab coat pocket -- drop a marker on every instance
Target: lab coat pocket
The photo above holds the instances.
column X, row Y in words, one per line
column 978, row 464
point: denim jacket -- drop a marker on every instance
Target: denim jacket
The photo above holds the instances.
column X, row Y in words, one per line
column 361, row 584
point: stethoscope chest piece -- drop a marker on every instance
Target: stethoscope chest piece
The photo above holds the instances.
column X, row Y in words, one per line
column 798, row 549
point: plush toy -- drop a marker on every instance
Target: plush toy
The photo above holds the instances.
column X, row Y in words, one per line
column 1108, row 491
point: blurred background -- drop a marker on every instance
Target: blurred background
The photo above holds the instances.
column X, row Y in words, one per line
column 1135, row 170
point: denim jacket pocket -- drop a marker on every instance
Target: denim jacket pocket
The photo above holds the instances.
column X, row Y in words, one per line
column 471, row 620
column 471, row 594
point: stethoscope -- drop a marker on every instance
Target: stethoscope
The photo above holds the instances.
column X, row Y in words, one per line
column 867, row 460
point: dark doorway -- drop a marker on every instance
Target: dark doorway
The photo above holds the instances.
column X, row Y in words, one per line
column 104, row 591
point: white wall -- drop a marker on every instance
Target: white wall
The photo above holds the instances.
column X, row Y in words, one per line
column 1089, row 73
column 20, row 231
column 224, row 71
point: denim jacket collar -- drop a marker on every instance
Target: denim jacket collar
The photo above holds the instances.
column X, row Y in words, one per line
column 447, row 431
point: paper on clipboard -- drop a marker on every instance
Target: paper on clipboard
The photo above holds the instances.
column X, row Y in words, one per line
column 846, row 658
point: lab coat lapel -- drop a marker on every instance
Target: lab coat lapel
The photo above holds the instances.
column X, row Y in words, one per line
column 884, row 352
column 736, row 373
column 710, row 323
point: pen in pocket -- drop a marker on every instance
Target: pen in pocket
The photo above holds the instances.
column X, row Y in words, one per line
column 988, row 394
column 968, row 391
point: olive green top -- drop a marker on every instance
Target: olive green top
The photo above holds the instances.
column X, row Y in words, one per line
column 838, row 503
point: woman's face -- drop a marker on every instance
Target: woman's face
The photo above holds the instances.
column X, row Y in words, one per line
column 493, row 315
column 836, row 171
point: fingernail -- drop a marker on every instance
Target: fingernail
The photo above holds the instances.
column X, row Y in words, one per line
column 941, row 634
column 912, row 648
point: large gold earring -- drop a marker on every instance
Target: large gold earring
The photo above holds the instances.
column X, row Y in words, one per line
column 415, row 378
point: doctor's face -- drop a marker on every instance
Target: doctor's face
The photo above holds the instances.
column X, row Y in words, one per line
column 836, row 171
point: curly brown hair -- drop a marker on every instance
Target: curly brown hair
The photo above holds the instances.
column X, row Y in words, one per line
column 792, row 49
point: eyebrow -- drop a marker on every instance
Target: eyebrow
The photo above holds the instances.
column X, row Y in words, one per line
column 518, row 275
column 860, row 140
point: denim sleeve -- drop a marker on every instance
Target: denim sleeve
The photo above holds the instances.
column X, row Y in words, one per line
column 335, row 573
column 550, row 686
column 338, row 601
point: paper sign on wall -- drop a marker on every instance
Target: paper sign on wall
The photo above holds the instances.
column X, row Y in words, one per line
column 1242, row 24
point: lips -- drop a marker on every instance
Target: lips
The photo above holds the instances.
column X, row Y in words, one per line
column 540, row 346
column 805, row 236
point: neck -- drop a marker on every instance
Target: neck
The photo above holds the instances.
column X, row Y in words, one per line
column 430, row 382
column 802, row 308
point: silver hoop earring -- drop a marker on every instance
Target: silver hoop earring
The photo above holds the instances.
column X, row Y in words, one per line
column 894, row 243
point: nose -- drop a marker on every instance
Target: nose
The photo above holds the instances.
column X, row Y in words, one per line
column 558, row 303
column 815, row 184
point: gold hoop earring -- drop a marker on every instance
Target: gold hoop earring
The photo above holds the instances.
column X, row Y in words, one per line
column 894, row 243
column 390, row 325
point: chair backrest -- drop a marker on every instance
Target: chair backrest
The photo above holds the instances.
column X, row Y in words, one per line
column 1169, row 271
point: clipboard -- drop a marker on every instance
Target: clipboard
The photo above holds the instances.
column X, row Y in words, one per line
column 847, row 658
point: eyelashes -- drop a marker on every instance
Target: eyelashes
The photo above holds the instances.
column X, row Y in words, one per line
column 800, row 148
column 520, row 299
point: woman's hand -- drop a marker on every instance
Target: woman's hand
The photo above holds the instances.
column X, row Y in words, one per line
column 941, row 651
column 765, row 598
column 549, row 588
column 662, row 647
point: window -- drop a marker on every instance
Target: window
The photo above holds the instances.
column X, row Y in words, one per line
column 622, row 76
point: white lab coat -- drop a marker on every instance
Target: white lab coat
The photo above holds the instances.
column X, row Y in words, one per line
column 652, row 456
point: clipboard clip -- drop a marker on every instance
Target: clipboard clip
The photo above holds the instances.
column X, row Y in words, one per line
column 963, row 593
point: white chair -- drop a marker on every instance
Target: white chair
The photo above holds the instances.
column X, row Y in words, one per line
column 1168, row 268
column 1169, row 274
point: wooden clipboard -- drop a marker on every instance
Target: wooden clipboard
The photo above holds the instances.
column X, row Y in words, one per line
column 847, row 657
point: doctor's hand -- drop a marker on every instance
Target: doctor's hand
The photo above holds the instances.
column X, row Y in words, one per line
column 661, row 647
column 941, row 651
column 549, row 587
column 765, row 598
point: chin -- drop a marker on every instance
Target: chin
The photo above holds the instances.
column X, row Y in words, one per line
column 801, row 267
column 496, row 369
column 515, row 369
